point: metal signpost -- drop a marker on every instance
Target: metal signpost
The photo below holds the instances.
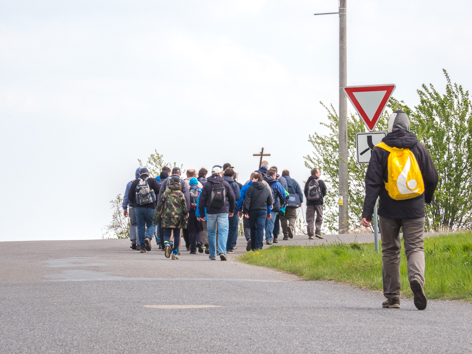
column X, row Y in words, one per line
column 369, row 101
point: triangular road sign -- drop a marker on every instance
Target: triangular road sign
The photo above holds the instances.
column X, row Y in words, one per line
column 369, row 101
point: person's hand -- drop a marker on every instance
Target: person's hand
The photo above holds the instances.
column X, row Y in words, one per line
column 230, row 215
column 301, row 205
column 240, row 213
column 365, row 222
column 272, row 207
column 246, row 216
column 269, row 216
column 188, row 215
column 125, row 213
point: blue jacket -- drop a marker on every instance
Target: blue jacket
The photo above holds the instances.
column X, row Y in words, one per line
column 275, row 184
column 294, row 187
column 243, row 194
column 128, row 186
column 197, row 211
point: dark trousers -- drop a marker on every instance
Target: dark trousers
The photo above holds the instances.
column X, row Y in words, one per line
column 232, row 232
column 167, row 235
column 247, row 228
column 257, row 220
column 186, row 238
column 195, row 231
column 276, row 226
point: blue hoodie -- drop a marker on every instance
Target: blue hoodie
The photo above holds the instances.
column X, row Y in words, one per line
column 128, row 186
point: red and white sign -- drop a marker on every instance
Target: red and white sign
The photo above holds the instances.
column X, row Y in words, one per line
column 369, row 101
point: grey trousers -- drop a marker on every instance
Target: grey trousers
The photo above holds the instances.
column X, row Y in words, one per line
column 413, row 236
column 310, row 219
column 288, row 222
column 133, row 229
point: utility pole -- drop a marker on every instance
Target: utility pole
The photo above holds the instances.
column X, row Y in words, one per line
column 343, row 151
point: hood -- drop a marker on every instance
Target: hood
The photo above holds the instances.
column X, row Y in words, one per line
column 201, row 178
column 215, row 179
column 262, row 170
column 174, row 185
column 311, row 178
column 398, row 120
column 137, row 172
column 269, row 179
column 228, row 179
column 258, row 185
column 400, row 139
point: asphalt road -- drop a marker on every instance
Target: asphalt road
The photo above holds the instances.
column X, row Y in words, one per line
column 101, row 297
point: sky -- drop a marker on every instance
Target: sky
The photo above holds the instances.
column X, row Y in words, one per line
column 88, row 87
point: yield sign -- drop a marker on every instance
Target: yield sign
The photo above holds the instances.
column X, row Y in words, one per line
column 369, row 101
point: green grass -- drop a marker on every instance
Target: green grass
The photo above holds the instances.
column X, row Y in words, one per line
column 448, row 264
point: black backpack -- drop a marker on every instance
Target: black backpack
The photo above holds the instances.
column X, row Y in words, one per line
column 314, row 191
column 218, row 195
column 144, row 193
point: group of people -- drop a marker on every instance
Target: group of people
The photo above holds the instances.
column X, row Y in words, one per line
column 207, row 211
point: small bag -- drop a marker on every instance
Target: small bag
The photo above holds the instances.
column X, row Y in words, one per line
column 218, row 195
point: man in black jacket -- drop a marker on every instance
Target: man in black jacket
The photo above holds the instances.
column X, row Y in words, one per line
column 144, row 210
column 314, row 206
column 217, row 197
column 408, row 214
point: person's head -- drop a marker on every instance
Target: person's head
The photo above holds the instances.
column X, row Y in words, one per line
column 193, row 182
column 285, row 173
column 235, row 176
column 202, row 172
column 398, row 120
column 164, row 175
column 191, row 173
column 271, row 173
column 216, row 170
column 229, row 172
column 176, row 171
column 274, row 168
column 166, row 169
column 144, row 171
column 226, row 166
column 315, row 172
column 265, row 164
column 252, row 176
column 256, row 177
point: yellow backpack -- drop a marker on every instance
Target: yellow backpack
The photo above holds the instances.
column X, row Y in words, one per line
column 404, row 175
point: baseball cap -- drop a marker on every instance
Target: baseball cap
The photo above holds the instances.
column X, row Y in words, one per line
column 216, row 169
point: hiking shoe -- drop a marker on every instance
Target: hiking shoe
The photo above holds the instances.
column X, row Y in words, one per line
column 319, row 236
column 168, row 250
column 275, row 240
column 178, row 252
column 222, row 256
column 147, row 242
column 193, row 252
column 249, row 245
column 212, row 258
column 230, row 251
column 419, row 296
column 391, row 303
column 291, row 236
column 207, row 248
column 200, row 248
column 188, row 248
column 174, row 257
column 159, row 247
column 142, row 250
column 268, row 242
column 133, row 246
column 311, row 238
column 285, row 238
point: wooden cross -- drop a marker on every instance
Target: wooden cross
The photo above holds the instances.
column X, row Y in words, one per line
column 261, row 154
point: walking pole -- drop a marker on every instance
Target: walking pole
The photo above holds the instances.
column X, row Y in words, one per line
column 376, row 229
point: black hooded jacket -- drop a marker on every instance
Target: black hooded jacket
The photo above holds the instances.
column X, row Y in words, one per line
column 155, row 186
column 322, row 188
column 377, row 176
column 258, row 197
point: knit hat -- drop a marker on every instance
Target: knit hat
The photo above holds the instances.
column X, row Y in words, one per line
column 193, row 181
column 144, row 171
column 163, row 175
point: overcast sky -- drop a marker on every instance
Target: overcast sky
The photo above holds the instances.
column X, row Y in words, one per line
column 88, row 87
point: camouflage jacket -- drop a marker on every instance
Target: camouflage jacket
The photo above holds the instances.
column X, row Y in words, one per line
column 171, row 210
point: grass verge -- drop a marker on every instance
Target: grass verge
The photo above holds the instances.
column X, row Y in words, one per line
column 448, row 264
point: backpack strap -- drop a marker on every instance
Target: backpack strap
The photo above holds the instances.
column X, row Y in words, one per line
column 384, row 146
